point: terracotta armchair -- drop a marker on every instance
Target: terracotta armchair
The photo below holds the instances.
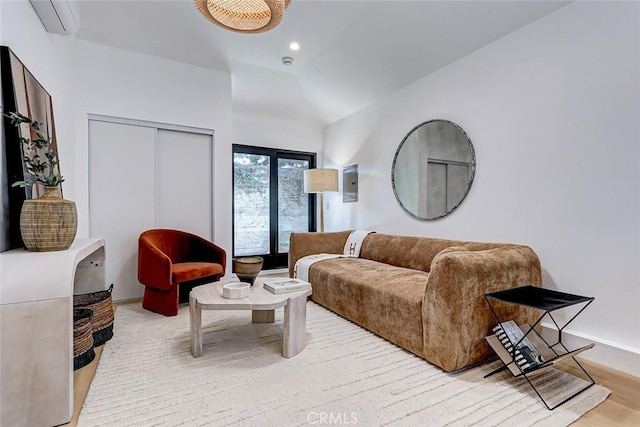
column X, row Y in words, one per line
column 169, row 258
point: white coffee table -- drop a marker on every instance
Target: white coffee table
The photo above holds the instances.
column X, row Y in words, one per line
column 262, row 304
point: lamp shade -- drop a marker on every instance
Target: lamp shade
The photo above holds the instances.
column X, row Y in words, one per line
column 320, row 180
column 243, row 16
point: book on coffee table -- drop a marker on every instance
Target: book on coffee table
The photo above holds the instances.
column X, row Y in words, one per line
column 280, row 286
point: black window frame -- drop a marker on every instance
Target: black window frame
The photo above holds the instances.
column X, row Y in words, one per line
column 274, row 259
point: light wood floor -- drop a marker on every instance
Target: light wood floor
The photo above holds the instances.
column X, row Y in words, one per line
column 622, row 407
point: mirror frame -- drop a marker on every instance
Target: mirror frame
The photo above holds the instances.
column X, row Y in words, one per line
column 471, row 174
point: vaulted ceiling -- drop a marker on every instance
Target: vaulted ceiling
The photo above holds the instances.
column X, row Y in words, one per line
column 352, row 52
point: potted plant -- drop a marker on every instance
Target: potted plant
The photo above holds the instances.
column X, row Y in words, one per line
column 48, row 223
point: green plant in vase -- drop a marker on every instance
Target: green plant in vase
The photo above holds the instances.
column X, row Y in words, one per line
column 42, row 170
column 48, row 223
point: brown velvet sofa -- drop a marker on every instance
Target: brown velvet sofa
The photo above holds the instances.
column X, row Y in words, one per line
column 425, row 295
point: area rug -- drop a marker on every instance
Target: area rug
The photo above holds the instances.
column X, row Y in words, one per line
column 345, row 376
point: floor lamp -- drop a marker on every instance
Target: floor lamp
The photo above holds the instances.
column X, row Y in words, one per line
column 320, row 181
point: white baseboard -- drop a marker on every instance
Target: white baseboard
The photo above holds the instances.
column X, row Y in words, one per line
column 608, row 353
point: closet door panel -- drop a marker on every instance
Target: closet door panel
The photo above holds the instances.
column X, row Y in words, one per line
column 184, row 196
column 122, row 172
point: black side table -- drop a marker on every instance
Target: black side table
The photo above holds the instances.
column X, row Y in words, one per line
column 510, row 347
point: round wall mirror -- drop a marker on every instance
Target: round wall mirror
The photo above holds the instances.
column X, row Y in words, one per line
column 433, row 169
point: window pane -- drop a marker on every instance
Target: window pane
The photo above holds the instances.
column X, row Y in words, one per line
column 251, row 204
column 293, row 202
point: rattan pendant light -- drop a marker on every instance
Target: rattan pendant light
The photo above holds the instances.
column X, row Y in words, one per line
column 243, row 16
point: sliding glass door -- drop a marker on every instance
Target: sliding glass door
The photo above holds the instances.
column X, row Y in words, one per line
column 269, row 202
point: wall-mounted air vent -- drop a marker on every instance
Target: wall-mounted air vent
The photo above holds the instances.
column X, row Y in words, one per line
column 58, row 16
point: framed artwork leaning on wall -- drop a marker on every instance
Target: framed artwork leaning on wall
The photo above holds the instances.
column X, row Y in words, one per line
column 22, row 93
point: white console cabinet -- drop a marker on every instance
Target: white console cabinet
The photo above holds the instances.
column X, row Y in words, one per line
column 36, row 329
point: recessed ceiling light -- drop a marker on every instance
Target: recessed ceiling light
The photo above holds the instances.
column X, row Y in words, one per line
column 294, row 46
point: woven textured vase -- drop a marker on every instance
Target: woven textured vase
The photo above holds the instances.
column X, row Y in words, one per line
column 48, row 223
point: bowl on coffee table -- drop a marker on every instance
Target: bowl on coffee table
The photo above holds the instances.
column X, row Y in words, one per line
column 247, row 268
column 235, row 290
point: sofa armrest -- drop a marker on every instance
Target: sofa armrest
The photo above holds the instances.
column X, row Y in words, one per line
column 154, row 266
column 455, row 315
column 303, row 244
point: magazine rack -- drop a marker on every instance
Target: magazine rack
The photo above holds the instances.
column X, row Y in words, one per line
column 547, row 301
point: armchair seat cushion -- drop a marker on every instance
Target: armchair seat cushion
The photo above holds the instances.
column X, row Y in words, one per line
column 186, row 271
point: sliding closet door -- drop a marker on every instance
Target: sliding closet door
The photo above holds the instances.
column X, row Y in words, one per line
column 121, row 197
column 143, row 176
column 185, row 196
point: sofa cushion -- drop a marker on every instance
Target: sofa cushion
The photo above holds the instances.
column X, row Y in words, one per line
column 404, row 251
column 383, row 298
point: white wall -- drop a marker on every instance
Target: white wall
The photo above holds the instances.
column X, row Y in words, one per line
column 277, row 133
column 120, row 83
column 86, row 78
column 553, row 112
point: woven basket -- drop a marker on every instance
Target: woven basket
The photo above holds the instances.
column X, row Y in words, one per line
column 102, row 306
column 83, row 352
